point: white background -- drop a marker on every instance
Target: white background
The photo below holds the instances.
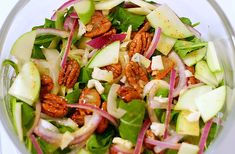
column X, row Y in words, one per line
column 6, row 147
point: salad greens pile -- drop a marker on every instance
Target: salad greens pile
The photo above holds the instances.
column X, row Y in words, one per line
column 116, row 77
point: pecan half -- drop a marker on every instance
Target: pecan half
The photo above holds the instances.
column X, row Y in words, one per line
column 140, row 43
column 168, row 66
column 46, row 84
column 110, row 32
column 98, row 25
column 54, row 106
column 103, row 125
column 115, row 68
column 78, row 117
column 145, row 28
column 136, row 76
column 192, row 80
column 69, row 74
column 128, row 93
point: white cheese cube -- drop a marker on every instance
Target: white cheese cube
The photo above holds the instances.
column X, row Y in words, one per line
column 157, row 63
column 122, row 142
column 143, row 61
column 157, row 128
column 95, row 83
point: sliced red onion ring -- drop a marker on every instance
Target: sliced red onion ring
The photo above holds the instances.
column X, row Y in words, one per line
column 181, row 69
column 154, row 43
column 68, row 23
column 101, row 41
column 204, row 136
column 151, row 112
column 52, row 31
column 63, row 7
column 36, row 144
column 67, row 48
column 95, row 109
column 140, row 139
column 174, row 138
column 170, row 97
column 37, row 118
column 118, row 149
column 74, row 15
column 163, row 144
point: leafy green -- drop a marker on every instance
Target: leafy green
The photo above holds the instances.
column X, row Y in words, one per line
column 122, row 19
column 132, row 121
column 28, row 115
column 104, row 96
column 99, row 143
column 12, row 64
column 146, row 151
column 183, row 47
column 73, row 96
column 187, row 21
column 44, row 40
column 173, row 117
column 163, row 92
column 62, row 128
column 85, row 75
column 213, row 133
column 171, row 151
column 37, row 53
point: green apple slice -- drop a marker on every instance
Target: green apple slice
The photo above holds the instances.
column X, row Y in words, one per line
column 185, row 127
column 211, row 103
column 22, row 48
column 139, row 11
column 17, row 119
column 85, row 10
column 170, row 24
column 106, row 56
column 107, row 4
column 165, row 44
column 26, row 86
column 195, row 56
column 187, row 99
column 187, row 148
column 212, row 58
column 204, row 74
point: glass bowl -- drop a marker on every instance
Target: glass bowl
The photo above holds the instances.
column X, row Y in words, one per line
column 214, row 26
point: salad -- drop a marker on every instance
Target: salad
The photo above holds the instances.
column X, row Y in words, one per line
column 118, row 77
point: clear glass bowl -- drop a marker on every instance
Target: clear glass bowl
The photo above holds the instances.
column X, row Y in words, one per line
column 214, row 26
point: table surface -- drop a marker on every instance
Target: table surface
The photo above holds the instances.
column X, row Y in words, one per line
column 6, row 146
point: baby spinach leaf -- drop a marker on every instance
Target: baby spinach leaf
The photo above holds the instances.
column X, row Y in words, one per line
column 73, row 96
column 85, row 75
column 37, row 53
column 213, row 133
column 122, row 19
column 163, row 92
column 104, row 96
column 62, row 128
column 186, row 21
column 132, row 121
column 99, row 143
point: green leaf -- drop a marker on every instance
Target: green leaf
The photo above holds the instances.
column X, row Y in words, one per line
column 37, row 53
column 186, row 21
column 73, row 96
column 62, row 128
column 85, row 75
column 104, row 96
column 146, row 151
column 171, row 151
column 28, row 115
column 46, row 147
column 12, row 64
column 132, row 121
column 213, row 133
column 49, row 23
column 44, row 40
column 183, row 47
column 99, row 143
column 122, row 19
column 163, row 92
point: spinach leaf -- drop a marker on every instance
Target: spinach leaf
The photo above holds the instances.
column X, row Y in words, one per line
column 183, row 47
column 44, row 40
column 132, row 121
column 28, row 114
column 37, row 53
column 163, row 92
column 187, row 21
column 62, row 128
column 73, row 96
column 171, row 151
column 213, row 133
column 122, row 19
column 146, row 151
column 104, row 96
column 99, row 143
column 85, row 75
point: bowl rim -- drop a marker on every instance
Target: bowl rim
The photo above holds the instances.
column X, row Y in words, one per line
column 22, row 3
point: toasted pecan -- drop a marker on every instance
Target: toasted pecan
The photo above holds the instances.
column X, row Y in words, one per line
column 128, row 93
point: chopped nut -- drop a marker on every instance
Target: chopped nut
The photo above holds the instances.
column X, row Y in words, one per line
column 69, row 74
column 54, row 106
column 110, row 32
column 128, row 93
column 78, row 117
column 192, row 80
column 104, row 122
column 115, row 68
column 98, row 25
column 46, row 85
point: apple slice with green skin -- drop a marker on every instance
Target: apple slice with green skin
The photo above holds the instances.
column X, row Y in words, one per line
column 211, row 103
column 22, row 48
column 212, row 58
column 185, row 127
column 195, row 56
column 165, row 44
column 170, row 24
column 26, row 86
column 107, row 5
column 186, row 148
column 17, row 119
column 85, row 10
column 204, row 74
column 106, row 56
column 187, row 99
column 139, row 11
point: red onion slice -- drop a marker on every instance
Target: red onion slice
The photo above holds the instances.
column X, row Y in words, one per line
column 74, row 15
column 63, row 7
column 52, row 31
column 36, row 144
column 181, row 69
column 163, row 144
column 67, row 48
column 140, row 140
column 101, row 41
column 121, row 150
column 97, row 110
column 68, row 23
column 37, row 118
column 170, row 97
column 204, row 136
column 154, row 43
column 151, row 112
